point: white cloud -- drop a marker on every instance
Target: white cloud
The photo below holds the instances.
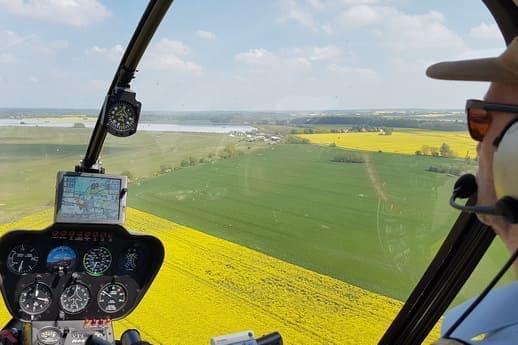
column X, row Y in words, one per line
column 359, row 16
column 391, row 28
column 357, row 73
column 70, row 12
column 485, row 31
column 112, row 54
column 207, row 35
column 169, row 55
column 317, row 53
column 422, row 32
column 293, row 12
column 316, row 4
column 256, row 57
column 15, row 47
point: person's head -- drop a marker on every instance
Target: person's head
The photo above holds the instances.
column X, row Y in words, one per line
column 488, row 119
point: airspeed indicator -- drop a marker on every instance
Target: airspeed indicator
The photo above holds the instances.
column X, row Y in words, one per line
column 97, row 260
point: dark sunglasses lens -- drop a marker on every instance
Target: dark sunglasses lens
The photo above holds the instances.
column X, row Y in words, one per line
column 478, row 123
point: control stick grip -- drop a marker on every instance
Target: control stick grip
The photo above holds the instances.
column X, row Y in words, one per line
column 129, row 337
column 132, row 337
column 93, row 340
column 274, row 338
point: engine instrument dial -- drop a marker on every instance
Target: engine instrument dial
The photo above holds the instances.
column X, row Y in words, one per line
column 97, row 260
column 49, row 335
column 22, row 259
column 130, row 260
column 35, row 298
column 112, row 298
column 74, row 298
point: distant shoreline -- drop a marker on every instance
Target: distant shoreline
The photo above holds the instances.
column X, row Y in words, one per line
column 153, row 127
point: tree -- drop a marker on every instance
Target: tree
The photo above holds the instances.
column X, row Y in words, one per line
column 445, row 150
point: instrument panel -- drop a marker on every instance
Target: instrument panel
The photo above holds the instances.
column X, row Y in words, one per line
column 76, row 271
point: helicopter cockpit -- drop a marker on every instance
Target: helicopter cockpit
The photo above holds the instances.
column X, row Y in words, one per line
column 70, row 280
column 68, row 283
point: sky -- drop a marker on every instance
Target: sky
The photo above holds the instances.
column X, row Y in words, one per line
column 245, row 54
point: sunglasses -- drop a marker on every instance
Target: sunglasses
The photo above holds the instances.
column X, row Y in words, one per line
column 479, row 116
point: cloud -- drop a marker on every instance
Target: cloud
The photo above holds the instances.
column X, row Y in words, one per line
column 256, row 57
column 206, row 35
column 383, row 27
column 485, row 31
column 358, row 16
column 15, row 48
column 422, row 32
column 291, row 11
column 357, row 73
column 112, row 54
column 78, row 13
column 170, row 55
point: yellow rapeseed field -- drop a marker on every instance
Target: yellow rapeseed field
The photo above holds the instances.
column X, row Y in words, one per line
column 208, row 287
column 405, row 142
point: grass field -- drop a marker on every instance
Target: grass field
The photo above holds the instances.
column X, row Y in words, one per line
column 401, row 141
column 31, row 156
column 375, row 224
column 208, row 287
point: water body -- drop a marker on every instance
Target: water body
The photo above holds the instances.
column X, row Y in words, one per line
column 155, row 127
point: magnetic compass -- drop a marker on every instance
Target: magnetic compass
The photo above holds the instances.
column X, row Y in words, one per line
column 121, row 113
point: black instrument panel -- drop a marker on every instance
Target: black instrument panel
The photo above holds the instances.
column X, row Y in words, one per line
column 76, row 271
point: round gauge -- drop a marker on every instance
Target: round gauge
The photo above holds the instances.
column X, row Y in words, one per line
column 121, row 119
column 130, row 259
column 97, row 260
column 112, row 298
column 74, row 298
column 35, row 298
column 61, row 258
column 49, row 335
column 22, row 259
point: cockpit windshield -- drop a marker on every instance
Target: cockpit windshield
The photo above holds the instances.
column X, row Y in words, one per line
column 291, row 156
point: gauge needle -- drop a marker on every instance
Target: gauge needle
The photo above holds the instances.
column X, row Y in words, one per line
column 20, row 267
column 106, row 293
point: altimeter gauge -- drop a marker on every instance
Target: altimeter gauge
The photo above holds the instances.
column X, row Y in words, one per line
column 121, row 113
column 22, row 259
column 35, row 298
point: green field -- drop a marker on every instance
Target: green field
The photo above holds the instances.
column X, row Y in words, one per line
column 375, row 225
column 31, row 156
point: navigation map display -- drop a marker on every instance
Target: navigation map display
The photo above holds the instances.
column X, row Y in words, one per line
column 90, row 198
